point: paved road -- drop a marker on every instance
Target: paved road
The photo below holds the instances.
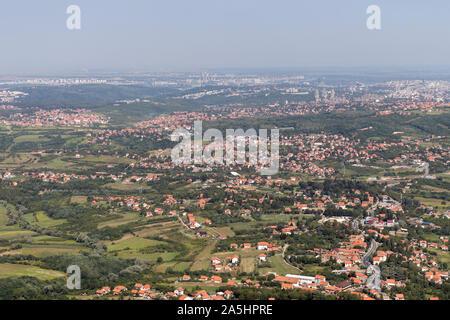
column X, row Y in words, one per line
column 370, row 252
column 373, row 282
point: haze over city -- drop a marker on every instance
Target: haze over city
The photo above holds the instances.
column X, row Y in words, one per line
column 198, row 35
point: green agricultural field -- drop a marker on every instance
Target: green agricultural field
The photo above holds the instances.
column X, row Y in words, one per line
column 279, row 266
column 130, row 186
column 285, row 218
column 20, row 270
column 123, row 219
column 251, row 225
column 163, row 266
column 176, row 266
column 30, row 138
column 54, row 164
column 167, row 229
column 276, row 218
column 43, row 251
column 436, row 203
column 152, row 257
column 137, row 247
column 312, row 269
column 133, row 244
column 15, row 234
column 181, row 266
column 218, row 231
column 55, row 241
column 75, row 141
column 42, row 220
column 105, row 160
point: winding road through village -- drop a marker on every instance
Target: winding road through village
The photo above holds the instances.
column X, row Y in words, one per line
column 373, row 282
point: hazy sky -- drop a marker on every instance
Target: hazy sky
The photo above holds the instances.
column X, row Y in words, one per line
column 158, row 35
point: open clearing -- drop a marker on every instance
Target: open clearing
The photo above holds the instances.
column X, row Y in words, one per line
column 133, row 244
column 20, row 270
column 130, row 186
column 78, row 199
column 279, row 266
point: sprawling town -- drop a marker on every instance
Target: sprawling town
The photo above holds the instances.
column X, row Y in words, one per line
column 358, row 208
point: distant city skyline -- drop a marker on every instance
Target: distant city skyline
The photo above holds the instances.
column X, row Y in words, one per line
column 221, row 35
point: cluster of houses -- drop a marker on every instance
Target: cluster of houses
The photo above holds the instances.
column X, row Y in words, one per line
column 104, row 136
column 8, row 96
column 56, row 117
column 290, row 281
column 380, row 223
column 59, row 177
column 302, row 200
column 63, row 177
column 290, row 228
column 349, row 254
column 262, row 245
column 428, row 265
column 204, row 295
column 389, row 283
column 226, row 264
column 144, row 291
column 381, row 256
column 420, row 223
column 320, row 284
column 436, row 276
column 137, row 203
column 231, row 263
column 311, row 148
column 212, row 279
